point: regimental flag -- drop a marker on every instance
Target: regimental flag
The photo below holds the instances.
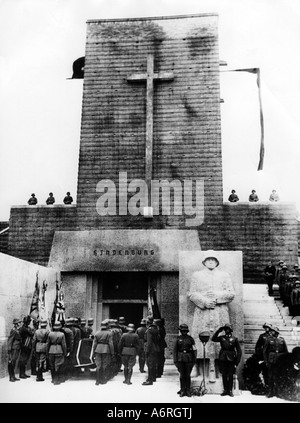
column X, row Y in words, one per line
column 154, row 310
column 43, row 307
column 34, row 308
column 58, row 314
column 256, row 71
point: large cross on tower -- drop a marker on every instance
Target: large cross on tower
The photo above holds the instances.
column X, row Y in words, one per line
column 150, row 76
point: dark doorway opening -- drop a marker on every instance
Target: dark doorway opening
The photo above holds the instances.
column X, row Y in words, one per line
column 133, row 313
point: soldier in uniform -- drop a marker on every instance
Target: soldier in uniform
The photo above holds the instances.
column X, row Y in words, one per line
column 83, row 332
column 66, row 370
column 229, row 356
column 39, row 346
column 116, row 358
column 162, row 346
column 102, row 351
column 295, row 299
column 253, row 197
column 56, row 351
column 141, row 352
column 122, row 324
column 14, row 349
column 233, row 198
column 26, row 345
column 32, row 200
column 50, row 199
column 89, row 328
column 68, row 199
column 128, row 347
column 151, row 350
column 184, row 356
column 259, row 347
column 275, row 345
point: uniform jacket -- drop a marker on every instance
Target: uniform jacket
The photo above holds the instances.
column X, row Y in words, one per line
column 295, row 296
column 56, row 343
column 14, row 340
column 141, row 334
column 40, row 338
column 129, row 344
column 152, row 340
column 25, row 332
column 230, row 347
column 259, row 346
column 69, row 339
column 103, row 342
column 183, row 349
column 274, row 346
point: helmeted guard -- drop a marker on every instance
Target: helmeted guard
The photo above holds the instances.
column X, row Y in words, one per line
column 162, row 346
column 259, row 348
column 68, row 199
column 82, row 327
column 229, row 356
column 295, row 299
column 184, row 356
column 32, row 200
column 275, row 346
column 66, row 370
column 26, row 335
column 141, row 352
column 56, row 351
column 39, row 345
column 116, row 357
column 77, row 337
column 122, row 324
column 151, row 350
column 102, row 351
column 128, row 347
column 14, row 349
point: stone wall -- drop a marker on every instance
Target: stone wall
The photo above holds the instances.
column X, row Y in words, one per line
column 3, row 237
column 17, row 283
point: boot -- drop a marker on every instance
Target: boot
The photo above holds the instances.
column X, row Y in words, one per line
column 97, row 377
column 11, row 373
column 52, row 375
column 129, row 377
column 125, row 375
column 39, row 377
column 22, row 372
column 56, row 379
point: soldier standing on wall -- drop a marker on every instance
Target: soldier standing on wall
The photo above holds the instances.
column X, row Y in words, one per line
column 14, row 349
column 184, row 356
column 68, row 199
column 32, row 200
column 50, row 200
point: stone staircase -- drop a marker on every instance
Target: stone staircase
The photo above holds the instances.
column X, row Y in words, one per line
column 259, row 308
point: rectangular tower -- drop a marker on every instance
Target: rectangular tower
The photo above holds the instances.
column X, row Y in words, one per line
column 151, row 111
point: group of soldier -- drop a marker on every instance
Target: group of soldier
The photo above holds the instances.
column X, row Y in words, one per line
column 113, row 345
column 45, row 349
column 269, row 349
column 68, row 199
column 288, row 281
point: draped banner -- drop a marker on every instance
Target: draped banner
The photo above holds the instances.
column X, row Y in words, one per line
column 34, row 307
column 58, row 314
column 262, row 144
column 153, row 304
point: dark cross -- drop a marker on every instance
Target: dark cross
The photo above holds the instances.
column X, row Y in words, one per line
column 150, row 76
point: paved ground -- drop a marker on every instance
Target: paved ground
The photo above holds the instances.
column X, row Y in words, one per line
column 84, row 390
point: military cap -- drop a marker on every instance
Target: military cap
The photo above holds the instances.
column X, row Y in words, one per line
column 210, row 254
column 228, row 326
column 143, row 322
column 104, row 324
column 15, row 321
column 57, row 325
column 275, row 329
column 296, row 265
column 122, row 319
column 280, row 261
column 157, row 321
column 130, row 327
column 90, row 321
column 284, row 266
column 83, row 321
column 43, row 322
column 69, row 322
column 184, row 327
column 267, row 325
column 297, row 282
